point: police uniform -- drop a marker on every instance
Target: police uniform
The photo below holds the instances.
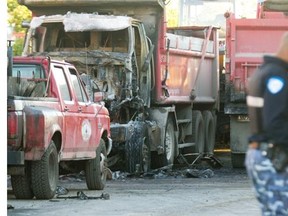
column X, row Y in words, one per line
column 267, row 102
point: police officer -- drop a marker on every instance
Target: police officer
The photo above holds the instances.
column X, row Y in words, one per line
column 267, row 155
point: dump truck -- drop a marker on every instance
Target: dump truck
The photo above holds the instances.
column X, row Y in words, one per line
column 247, row 40
column 160, row 84
column 52, row 127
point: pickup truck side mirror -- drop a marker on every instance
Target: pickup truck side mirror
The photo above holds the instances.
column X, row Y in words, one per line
column 98, row 96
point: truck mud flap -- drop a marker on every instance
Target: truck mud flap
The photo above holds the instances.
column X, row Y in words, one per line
column 213, row 161
column 210, row 159
column 15, row 158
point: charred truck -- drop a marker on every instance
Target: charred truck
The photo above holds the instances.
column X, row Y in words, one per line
column 247, row 40
column 52, row 127
column 160, row 85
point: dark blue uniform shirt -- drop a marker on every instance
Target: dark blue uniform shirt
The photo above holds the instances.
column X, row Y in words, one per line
column 270, row 82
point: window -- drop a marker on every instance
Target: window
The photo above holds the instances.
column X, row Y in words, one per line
column 78, row 88
column 117, row 40
column 73, row 39
column 62, row 83
column 27, row 71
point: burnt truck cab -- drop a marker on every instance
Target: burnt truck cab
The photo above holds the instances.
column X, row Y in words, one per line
column 111, row 50
column 53, row 126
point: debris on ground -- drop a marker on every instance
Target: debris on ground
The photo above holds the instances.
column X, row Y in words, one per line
column 82, row 196
column 75, row 177
column 61, row 191
column 194, row 173
column 118, row 175
column 197, row 170
column 9, row 206
column 166, row 172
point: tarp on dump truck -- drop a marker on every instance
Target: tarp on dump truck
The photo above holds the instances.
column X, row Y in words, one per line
column 74, row 22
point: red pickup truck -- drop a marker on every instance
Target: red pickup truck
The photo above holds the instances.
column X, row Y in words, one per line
column 53, row 127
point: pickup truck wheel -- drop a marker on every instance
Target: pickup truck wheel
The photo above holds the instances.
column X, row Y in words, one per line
column 96, row 169
column 209, row 127
column 21, row 185
column 45, row 174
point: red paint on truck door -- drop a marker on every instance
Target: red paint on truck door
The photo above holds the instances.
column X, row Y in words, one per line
column 88, row 132
column 70, row 113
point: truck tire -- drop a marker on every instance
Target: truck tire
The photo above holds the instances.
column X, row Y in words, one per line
column 167, row 158
column 96, row 169
column 21, row 185
column 45, row 173
column 209, row 127
column 198, row 131
column 238, row 160
column 146, row 156
column 170, row 142
column 137, row 150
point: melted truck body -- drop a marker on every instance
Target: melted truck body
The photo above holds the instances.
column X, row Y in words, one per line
column 160, row 84
column 52, row 123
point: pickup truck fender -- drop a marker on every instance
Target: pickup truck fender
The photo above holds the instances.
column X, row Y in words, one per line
column 40, row 124
column 104, row 124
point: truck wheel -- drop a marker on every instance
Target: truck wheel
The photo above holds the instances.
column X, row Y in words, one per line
column 45, row 173
column 21, row 185
column 169, row 142
column 238, row 160
column 198, row 131
column 96, row 169
column 137, row 150
column 167, row 158
column 209, row 127
column 145, row 156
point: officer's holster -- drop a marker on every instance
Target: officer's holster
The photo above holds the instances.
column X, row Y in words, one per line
column 278, row 155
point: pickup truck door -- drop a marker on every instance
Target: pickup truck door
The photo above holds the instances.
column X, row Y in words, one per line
column 88, row 133
column 70, row 112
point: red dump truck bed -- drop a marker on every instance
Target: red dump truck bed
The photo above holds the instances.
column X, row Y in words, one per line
column 247, row 41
